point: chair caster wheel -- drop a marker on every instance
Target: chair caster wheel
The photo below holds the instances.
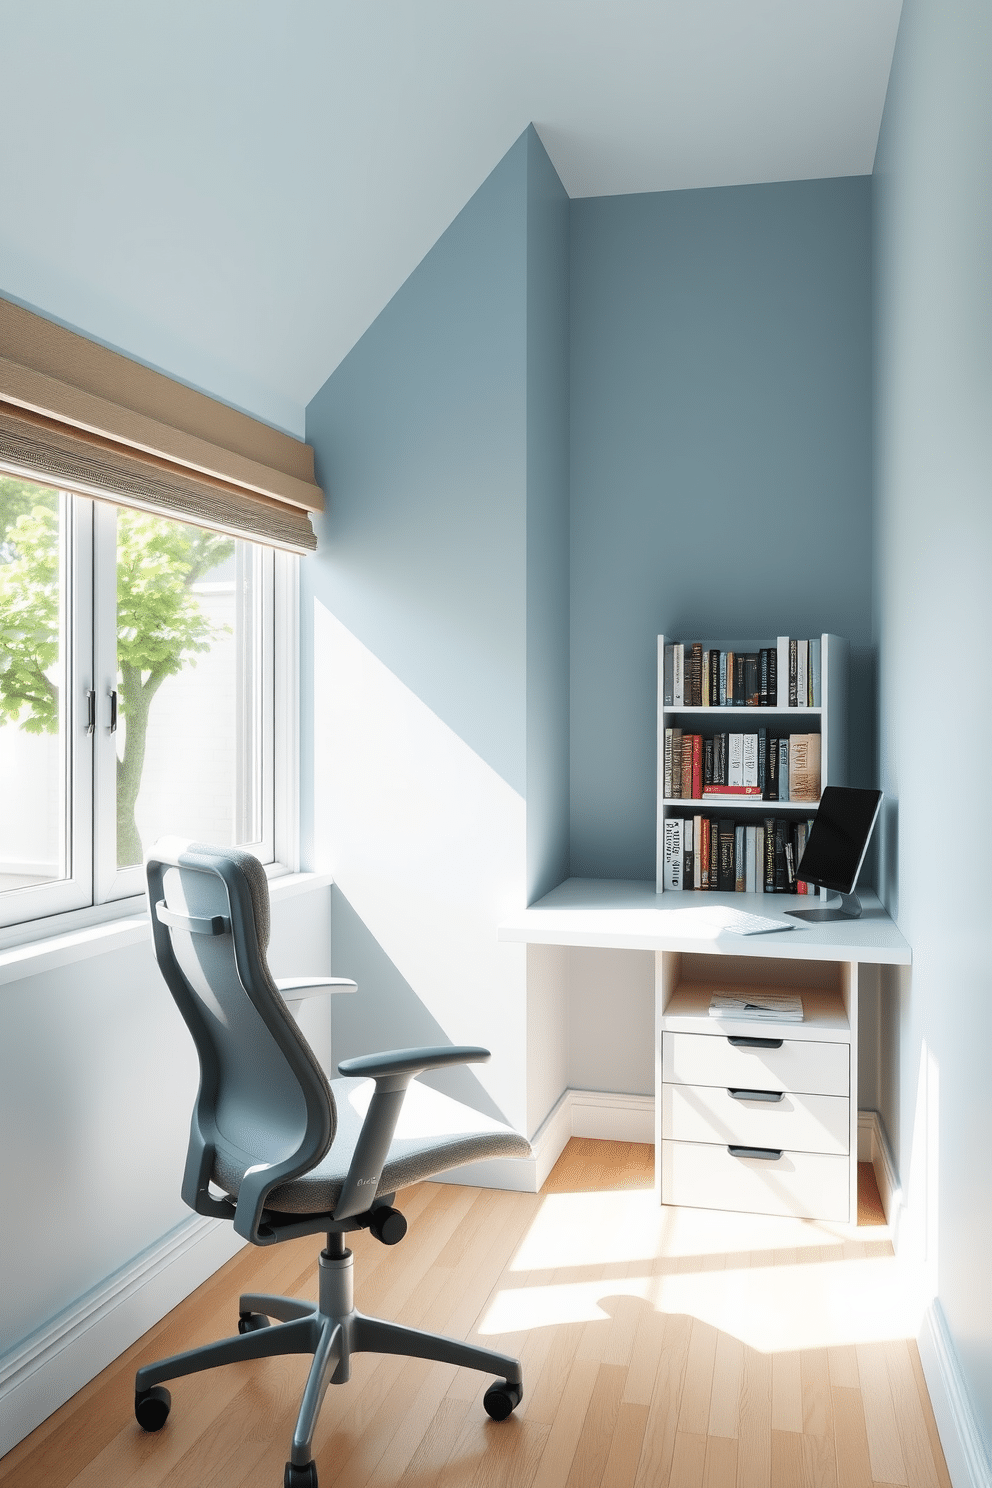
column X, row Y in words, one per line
column 388, row 1225
column 501, row 1399
column 300, row 1477
column 251, row 1322
column 151, row 1407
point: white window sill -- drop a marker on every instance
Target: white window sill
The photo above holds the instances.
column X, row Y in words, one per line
column 48, row 952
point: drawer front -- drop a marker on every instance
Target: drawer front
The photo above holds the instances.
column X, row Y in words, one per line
column 802, row 1123
column 806, row 1185
column 711, row 1059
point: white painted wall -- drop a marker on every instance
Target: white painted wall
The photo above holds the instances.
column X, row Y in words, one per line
column 97, row 1081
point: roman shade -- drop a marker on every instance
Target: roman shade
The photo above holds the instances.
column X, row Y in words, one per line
column 78, row 415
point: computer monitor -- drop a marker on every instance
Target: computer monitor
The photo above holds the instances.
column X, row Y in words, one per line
column 836, row 847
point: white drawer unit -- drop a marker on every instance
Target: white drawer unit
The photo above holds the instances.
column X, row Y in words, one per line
column 763, row 1060
column 809, row 1185
column 756, row 1118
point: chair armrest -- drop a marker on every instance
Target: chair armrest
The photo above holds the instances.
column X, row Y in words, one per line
column 299, row 987
column 392, row 1073
column 410, row 1062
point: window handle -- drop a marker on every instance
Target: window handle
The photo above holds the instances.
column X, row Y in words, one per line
column 90, row 710
column 113, row 710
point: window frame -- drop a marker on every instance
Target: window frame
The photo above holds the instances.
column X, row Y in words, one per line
column 96, row 891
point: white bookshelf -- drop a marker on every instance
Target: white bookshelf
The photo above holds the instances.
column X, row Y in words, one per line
column 829, row 720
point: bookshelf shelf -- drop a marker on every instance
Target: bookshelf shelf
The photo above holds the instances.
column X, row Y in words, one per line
column 828, row 720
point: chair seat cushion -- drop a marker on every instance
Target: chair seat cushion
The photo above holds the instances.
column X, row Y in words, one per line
column 434, row 1133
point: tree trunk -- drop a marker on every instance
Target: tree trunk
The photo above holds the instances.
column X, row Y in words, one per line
column 135, row 703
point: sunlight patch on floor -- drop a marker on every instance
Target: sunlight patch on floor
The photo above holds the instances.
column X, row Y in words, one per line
column 776, row 1284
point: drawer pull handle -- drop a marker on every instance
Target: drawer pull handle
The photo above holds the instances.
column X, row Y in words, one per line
column 768, row 1154
column 754, row 1043
column 756, row 1095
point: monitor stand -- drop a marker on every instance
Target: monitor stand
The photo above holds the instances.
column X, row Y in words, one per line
column 845, row 907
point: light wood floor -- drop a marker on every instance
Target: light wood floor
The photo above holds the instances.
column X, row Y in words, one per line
column 653, row 1344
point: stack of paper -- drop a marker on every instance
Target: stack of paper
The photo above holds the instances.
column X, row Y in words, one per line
column 760, row 1007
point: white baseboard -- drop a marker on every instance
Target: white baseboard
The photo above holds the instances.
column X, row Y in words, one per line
column 873, row 1147
column 50, row 1365
column 578, row 1113
column 965, row 1449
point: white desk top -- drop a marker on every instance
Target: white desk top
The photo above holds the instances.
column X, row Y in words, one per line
column 627, row 914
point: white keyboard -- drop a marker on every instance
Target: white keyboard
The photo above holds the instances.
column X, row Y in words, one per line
column 741, row 923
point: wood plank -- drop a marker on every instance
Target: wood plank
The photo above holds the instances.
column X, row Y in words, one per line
column 787, row 1459
column 694, row 1410
column 655, row 1460
column 598, row 1428
column 882, row 1429
column 720, row 1470
column 725, row 1399
column 754, row 1460
column 921, row 1449
column 851, row 1438
column 688, row 1460
column 625, row 1447
column 787, row 1393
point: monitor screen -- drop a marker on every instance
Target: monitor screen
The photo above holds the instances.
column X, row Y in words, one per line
column 839, row 837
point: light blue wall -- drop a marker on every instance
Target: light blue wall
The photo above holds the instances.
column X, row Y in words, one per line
column 933, row 234
column 720, row 462
column 420, row 443
column 547, row 524
column 442, row 442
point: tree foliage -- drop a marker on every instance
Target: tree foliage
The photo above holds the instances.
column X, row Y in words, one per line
column 161, row 627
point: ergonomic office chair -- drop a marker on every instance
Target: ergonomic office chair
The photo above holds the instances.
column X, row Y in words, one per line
column 286, row 1152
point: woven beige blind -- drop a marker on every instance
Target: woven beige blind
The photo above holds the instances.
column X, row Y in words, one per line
column 90, row 420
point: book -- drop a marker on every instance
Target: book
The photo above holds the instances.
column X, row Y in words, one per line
column 704, row 854
column 725, row 866
column 740, row 866
column 771, row 771
column 769, row 855
column 697, row 852
column 804, row 767
column 730, row 679
column 667, row 694
column 705, row 699
column 757, row 1007
column 675, row 790
column 752, row 685
column 667, row 791
column 759, row 860
column 687, row 854
column 739, row 661
column 783, row 769
column 695, row 688
column 673, row 852
column 772, row 677
column 714, row 679
column 750, row 865
column 782, row 665
column 678, row 675
column 793, row 672
column 719, row 759
column 762, row 758
column 790, row 865
column 763, row 677
column 697, row 767
column 814, row 674
column 735, row 760
column 781, row 880
column 707, row 762
column 802, row 674
column 750, row 755
column 732, row 790
column 686, row 767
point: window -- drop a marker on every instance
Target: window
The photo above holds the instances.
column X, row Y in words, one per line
column 141, row 671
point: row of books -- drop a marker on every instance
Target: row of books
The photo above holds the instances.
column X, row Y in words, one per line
column 786, row 675
column 770, row 767
column 702, row 852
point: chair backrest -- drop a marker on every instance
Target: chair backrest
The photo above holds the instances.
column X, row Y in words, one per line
column 263, row 1097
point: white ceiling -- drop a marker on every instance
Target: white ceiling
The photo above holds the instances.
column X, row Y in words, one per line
column 233, row 189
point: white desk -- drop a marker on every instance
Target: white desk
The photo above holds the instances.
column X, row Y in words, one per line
column 826, row 967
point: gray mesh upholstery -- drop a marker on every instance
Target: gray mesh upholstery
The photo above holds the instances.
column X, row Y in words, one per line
column 434, row 1134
